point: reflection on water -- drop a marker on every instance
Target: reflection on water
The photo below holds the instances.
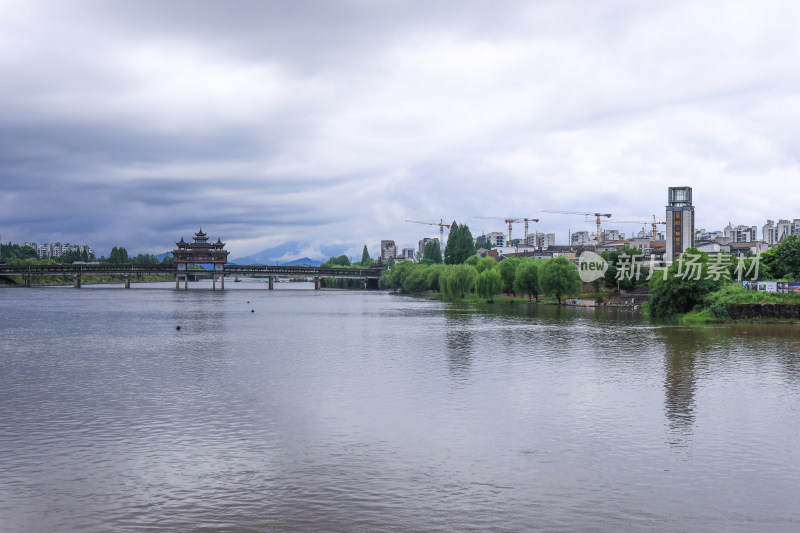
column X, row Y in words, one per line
column 679, row 384
column 458, row 337
column 303, row 410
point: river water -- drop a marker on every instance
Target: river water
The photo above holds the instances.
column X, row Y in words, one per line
column 303, row 410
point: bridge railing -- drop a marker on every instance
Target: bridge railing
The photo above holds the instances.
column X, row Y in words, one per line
column 242, row 270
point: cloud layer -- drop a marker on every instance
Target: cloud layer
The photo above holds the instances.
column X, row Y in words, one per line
column 331, row 123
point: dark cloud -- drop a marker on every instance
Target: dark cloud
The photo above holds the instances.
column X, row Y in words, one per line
column 264, row 122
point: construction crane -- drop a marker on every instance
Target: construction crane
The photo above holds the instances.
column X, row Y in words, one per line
column 653, row 223
column 511, row 221
column 441, row 225
column 597, row 215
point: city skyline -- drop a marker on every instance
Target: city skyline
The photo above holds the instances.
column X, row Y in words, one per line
column 331, row 124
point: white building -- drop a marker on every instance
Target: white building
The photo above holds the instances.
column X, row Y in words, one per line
column 408, row 253
column 783, row 229
column 56, row 249
column 579, row 238
column 496, row 238
column 740, row 233
column 545, row 240
column 769, row 233
column 611, row 235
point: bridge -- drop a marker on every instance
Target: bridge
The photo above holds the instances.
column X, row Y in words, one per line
column 126, row 271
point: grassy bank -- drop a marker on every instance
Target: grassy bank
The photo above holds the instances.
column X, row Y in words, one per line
column 734, row 303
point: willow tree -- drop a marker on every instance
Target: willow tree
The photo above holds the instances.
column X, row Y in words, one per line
column 488, row 283
column 560, row 278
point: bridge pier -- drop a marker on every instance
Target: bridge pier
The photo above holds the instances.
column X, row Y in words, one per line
column 271, row 282
column 363, row 284
column 26, row 280
column 222, row 282
column 185, row 282
column 316, row 284
column 213, row 282
column 77, row 282
column 128, row 281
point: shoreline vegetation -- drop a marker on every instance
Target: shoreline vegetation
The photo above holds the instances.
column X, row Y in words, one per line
column 63, row 281
column 707, row 295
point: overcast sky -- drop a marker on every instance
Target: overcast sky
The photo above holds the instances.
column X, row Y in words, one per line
column 134, row 123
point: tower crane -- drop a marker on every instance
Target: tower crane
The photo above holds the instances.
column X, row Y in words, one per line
column 653, row 223
column 597, row 215
column 441, row 225
column 510, row 221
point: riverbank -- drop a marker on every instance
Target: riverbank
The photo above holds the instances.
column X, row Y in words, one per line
column 65, row 281
column 733, row 303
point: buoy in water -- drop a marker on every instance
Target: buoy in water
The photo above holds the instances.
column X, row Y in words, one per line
column 178, row 328
column 252, row 310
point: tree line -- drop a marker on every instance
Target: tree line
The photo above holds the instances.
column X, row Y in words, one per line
column 486, row 278
column 673, row 293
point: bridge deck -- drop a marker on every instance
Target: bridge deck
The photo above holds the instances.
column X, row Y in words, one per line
column 158, row 270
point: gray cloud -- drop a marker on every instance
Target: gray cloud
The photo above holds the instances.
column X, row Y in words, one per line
column 264, row 122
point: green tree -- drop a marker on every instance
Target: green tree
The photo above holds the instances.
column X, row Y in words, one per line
column 417, row 278
column 340, row 261
column 394, row 277
column 526, row 280
column 688, row 281
column 627, row 254
column 472, row 260
column 449, row 249
column 14, row 252
column 432, row 253
column 508, row 269
column 488, row 283
column 783, row 260
column 466, row 248
column 434, row 274
column 484, row 264
column 457, row 281
column 118, row 256
column 459, row 245
column 559, row 277
column 366, row 260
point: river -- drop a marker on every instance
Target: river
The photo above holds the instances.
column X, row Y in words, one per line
column 303, row 410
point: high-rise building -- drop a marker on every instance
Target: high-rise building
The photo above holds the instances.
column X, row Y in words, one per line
column 784, row 229
column 579, row 238
column 388, row 250
column 740, row 233
column 680, row 222
column 769, row 233
column 497, row 238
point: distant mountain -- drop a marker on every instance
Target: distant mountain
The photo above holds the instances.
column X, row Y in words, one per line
column 304, row 261
column 278, row 254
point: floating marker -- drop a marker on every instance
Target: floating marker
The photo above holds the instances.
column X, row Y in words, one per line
column 252, row 310
column 178, row 328
column 248, row 301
